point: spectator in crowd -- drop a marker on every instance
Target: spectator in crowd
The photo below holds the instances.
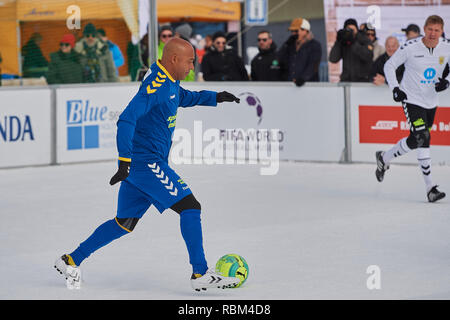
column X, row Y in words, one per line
column 221, row 63
column 356, row 52
column 133, row 59
column 114, row 48
column 164, row 35
column 300, row 55
column 208, row 41
column 371, row 33
column 35, row 65
column 377, row 74
column 95, row 57
column 411, row 31
column 65, row 64
column 184, row 32
column 265, row 66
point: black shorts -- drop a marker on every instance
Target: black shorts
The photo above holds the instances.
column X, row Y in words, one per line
column 419, row 118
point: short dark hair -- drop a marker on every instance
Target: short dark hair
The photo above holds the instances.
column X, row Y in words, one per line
column 265, row 31
column 434, row 19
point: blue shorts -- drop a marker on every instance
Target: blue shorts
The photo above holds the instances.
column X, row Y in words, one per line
column 149, row 184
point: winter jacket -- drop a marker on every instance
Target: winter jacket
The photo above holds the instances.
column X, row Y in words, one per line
column 35, row 64
column 64, row 68
column 378, row 67
column 301, row 64
column 97, row 62
column 116, row 54
column 357, row 58
column 265, row 65
column 223, row 66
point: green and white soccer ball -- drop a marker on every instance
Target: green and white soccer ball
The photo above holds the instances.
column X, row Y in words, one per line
column 233, row 265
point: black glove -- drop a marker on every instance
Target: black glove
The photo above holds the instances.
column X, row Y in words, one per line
column 441, row 85
column 399, row 95
column 299, row 82
column 226, row 97
column 122, row 172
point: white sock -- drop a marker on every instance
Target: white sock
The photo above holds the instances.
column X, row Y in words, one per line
column 398, row 150
column 424, row 158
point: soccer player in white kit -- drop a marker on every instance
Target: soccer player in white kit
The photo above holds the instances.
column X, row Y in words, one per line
column 425, row 59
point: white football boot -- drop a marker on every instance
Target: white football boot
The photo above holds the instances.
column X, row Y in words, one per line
column 212, row 279
column 69, row 270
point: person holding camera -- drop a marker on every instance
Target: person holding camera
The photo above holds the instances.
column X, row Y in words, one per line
column 356, row 52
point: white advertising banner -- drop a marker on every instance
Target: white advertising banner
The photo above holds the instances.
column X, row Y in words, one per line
column 25, row 127
column 86, row 121
column 378, row 122
column 305, row 123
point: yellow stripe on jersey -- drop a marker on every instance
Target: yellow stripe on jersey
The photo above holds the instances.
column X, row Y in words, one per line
column 164, row 70
column 150, row 90
column 157, row 85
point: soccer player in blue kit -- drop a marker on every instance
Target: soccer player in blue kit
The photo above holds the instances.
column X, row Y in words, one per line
column 144, row 138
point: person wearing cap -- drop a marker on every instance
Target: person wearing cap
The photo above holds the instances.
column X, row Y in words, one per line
column 95, row 57
column 411, row 31
column 371, row 33
column 300, row 55
column 184, row 32
column 114, row 48
column 356, row 52
column 65, row 64
column 221, row 63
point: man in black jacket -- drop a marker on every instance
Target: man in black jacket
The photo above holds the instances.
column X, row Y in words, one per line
column 265, row 66
column 221, row 63
column 300, row 55
column 356, row 52
column 377, row 74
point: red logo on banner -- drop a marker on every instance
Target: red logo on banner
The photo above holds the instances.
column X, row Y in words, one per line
column 381, row 124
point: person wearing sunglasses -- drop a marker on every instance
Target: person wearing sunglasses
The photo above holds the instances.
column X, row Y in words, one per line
column 164, row 35
column 371, row 34
column 300, row 55
column 221, row 63
column 65, row 64
column 265, row 66
column 95, row 57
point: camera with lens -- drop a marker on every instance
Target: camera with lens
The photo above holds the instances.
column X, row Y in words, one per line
column 345, row 36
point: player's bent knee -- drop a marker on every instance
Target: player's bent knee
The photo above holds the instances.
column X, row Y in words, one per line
column 188, row 202
column 419, row 139
column 127, row 223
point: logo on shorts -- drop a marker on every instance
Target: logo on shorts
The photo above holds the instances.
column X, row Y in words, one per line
column 164, row 179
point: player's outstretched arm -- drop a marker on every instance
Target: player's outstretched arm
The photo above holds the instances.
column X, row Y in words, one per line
column 225, row 96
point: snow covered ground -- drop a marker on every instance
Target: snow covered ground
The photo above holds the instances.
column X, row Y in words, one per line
column 309, row 232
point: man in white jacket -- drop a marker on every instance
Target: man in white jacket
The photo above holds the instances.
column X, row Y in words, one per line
column 425, row 59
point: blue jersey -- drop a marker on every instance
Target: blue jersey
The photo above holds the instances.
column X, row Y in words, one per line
column 146, row 126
